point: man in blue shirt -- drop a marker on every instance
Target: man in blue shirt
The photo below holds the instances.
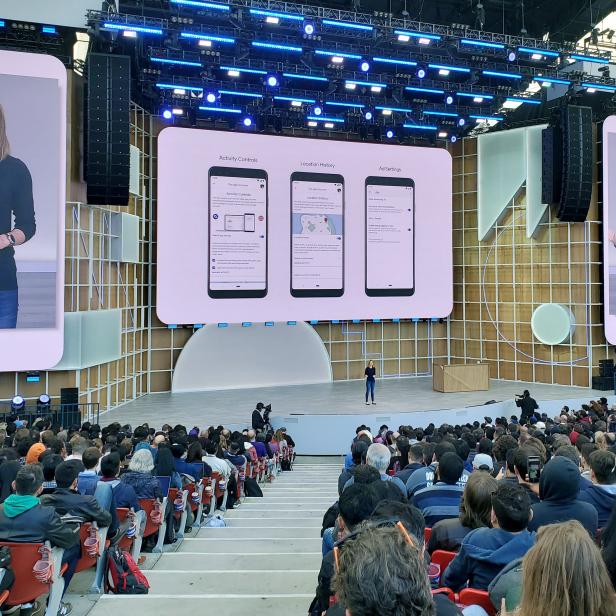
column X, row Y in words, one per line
column 441, row 500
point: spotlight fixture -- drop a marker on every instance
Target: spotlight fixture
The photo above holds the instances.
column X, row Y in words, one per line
column 247, row 122
column 389, row 134
column 17, row 404
column 421, row 73
column 453, row 139
column 309, row 28
column 368, row 115
column 442, row 134
column 461, row 122
column 167, row 114
column 272, row 81
column 449, row 100
column 210, row 97
column 511, row 56
column 43, row 403
column 317, row 111
column 365, row 66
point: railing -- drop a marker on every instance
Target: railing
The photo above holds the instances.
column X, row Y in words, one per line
column 65, row 415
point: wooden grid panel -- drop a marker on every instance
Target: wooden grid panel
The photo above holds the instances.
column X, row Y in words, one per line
column 498, row 284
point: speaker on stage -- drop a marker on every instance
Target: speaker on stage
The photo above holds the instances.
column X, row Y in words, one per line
column 107, row 130
column 69, row 406
column 576, row 179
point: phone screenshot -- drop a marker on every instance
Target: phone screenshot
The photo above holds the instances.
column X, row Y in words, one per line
column 317, row 235
column 390, row 236
column 237, row 214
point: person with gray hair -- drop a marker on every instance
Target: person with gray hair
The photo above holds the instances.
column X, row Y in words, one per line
column 140, row 476
column 379, row 457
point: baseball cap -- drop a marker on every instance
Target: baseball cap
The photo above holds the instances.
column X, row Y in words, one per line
column 540, row 425
column 483, row 459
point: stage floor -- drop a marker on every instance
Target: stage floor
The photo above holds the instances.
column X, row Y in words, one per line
column 234, row 407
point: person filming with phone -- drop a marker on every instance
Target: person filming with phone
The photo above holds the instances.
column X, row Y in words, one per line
column 527, row 404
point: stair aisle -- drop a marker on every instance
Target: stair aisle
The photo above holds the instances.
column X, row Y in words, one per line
column 265, row 561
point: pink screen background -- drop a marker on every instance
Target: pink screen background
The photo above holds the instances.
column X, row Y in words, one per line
column 184, row 159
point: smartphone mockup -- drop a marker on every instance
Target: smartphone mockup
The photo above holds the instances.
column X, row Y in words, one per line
column 237, row 223
column 317, row 235
column 390, row 236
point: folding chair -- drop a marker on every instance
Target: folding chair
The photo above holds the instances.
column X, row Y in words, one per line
column 442, row 558
column 26, row 588
column 472, row 596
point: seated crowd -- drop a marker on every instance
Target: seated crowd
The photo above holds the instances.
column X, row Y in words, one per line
column 495, row 517
column 54, row 480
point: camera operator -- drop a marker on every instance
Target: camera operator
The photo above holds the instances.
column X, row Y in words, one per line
column 527, row 404
column 258, row 423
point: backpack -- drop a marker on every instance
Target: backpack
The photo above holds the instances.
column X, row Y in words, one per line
column 285, row 465
column 216, row 521
column 251, row 488
column 123, row 575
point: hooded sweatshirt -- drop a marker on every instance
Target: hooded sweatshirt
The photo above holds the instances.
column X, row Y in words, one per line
column 558, row 489
column 17, row 504
column 483, row 554
column 602, row 498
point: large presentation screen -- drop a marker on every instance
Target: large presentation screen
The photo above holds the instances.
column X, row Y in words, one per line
column 257, row 228
column 32, row 201
column 609, row 228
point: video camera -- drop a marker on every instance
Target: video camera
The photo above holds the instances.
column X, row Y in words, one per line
column 266, row 412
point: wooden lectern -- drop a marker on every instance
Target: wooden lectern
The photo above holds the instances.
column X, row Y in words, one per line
column 451, row 378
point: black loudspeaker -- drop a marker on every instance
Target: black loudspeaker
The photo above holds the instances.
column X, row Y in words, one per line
column 552, row 161
column 107, row 130
column 69, row 396
column 577, row 168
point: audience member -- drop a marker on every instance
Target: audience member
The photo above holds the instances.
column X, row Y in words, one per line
column 378, row 456
column 601, row 494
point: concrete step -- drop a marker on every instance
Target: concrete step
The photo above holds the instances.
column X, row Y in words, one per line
column 221, row 605
column 245, row 581
column 263, row 531
column 250, row 546
column 180, row 561
column 261, row 522
column 244, row 513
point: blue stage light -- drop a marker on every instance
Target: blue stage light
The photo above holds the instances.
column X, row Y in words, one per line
column 461, row 122
column 482, row 43
column 167, row 114
column 236, row 69
column 49, row 30
column 449, row 100
column 269, row 323
column 564, row 82
column 420, row 126
column 317, row 111
column 210, row 97
column 201, row 36
column 220, row 109
column 344, row 104
column 291, row 99
column 541, row 52
column 337, row 54
column 453, row 138
column 444, row 67
column 421, row 73
column 368, row 115
column 291, row 322
column 511, row 56
column 2, row 23
column 389, row 134
column 486, row 118
column 425, row 90
column 276, row 15
column 307, row 77
column 595, row 59
column 277, row 47
column 530, row 101
column 598, row 86
column 246, row 324
column 325, row 119
column 178, row 86
column 236, row 93
column 385, row 109
column 504, row 75
column 247, row 122
column 176, row 62
column 202, row 5
column 129, row 28
column 394, row 61
column 344, row 24
column 448, row 114
column 405, row 35
column 309, row 28
column 272, row 81
column 365, row 66
column 475, row 95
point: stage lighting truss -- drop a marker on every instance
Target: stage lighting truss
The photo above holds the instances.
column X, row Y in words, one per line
column 302, row 60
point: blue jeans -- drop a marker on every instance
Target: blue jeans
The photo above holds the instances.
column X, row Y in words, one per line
column 9, row 303
column 370, row 389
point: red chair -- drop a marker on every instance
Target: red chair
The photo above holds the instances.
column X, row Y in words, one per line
column 427, row 533
column 26, row 588
column 86, row 561
column 3, row 597
column 442, row 558
column 151, row 527
column 445, row 591
column 126, row 543
column 471, row 596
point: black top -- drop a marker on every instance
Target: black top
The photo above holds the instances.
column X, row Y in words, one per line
column 370, row 373
column 257, row 420
column 528, row 405
column 16, row 201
